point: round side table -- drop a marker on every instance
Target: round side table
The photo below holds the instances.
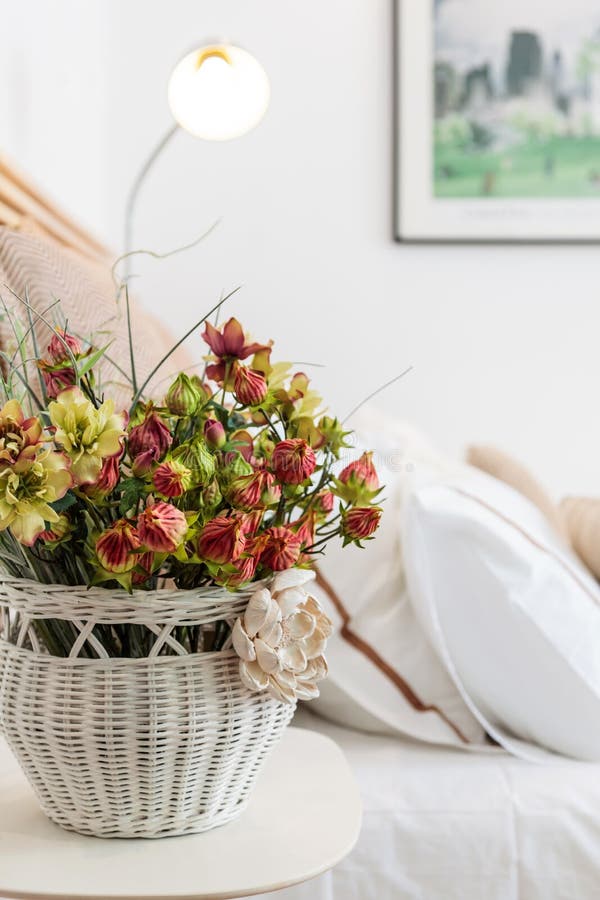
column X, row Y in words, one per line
column 302, row 819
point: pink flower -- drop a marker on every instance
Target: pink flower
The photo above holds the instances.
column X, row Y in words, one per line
column 56, row 379
column 361, row 522
column 228, row 345
column 56, row 348
column 245, row 569
column 57, row 372
column 281, row 550
column 144, row 462
column 298, row 387
column 243, row 444
column 222, row 540
column 293, row 461
column 358, row 483
column 362, row 472
column 249, row 387
column 230, row 342
column 162, row 527
column 152, row 434
column 305, row 529
column 108, row 478
column 143, row 569
column 258, row 489
column 324, row 502
column 171, row 478
column 20, row 438
column 217, row 371
column 57, row 531
column 214, row 434
column 251, row 522
column 116, row 547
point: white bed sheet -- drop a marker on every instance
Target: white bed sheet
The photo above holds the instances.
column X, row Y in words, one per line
column 440, row 824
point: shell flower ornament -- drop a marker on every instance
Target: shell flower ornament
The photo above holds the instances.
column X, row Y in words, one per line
column 281, row 639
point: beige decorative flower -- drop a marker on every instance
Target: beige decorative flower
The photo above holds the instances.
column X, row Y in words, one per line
column 281, row 639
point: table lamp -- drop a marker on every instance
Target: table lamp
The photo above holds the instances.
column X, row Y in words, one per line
column 216, row 92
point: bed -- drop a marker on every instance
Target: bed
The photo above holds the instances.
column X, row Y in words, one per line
column 442, row 824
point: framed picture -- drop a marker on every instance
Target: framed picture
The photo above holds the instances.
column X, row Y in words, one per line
column 498, row 120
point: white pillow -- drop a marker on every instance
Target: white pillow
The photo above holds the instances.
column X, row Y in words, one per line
column 512, row 611
column 384, row 674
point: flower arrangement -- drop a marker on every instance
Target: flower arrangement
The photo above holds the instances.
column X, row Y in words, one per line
column 229, row 479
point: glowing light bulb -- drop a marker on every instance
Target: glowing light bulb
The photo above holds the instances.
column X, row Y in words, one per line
column 218, row 92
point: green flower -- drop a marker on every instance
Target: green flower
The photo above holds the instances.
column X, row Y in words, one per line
column 232, row 466
column 183, row 397
column 26, row 492
column 87, row 435
column 196, row 457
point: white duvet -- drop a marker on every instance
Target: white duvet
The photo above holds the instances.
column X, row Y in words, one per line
column 440, row 824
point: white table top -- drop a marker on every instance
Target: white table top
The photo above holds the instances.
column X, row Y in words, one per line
column 303, row 818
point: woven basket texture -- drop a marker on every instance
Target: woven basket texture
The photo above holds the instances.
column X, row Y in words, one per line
column 113, row 747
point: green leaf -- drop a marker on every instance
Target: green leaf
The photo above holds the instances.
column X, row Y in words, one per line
column 92, row 360
column 64, row 503
column 235, row 421
column 101, row 576
column 132, row 489
column 180, row 554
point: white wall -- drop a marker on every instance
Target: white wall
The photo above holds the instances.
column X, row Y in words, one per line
column 53, row 99
column 505, row 341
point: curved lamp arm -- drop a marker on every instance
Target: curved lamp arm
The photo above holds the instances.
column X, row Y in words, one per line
column 132, row 197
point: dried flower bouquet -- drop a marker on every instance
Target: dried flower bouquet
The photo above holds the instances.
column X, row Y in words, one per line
column 226, row 480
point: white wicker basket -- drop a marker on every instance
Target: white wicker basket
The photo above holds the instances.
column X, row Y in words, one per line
column 148, row 747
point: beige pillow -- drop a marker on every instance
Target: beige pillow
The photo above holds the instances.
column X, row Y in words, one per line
column 582, row 519
column 503, row 467
column 46, row 270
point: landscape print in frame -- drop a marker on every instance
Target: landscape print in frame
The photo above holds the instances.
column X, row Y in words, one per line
column 498, row 120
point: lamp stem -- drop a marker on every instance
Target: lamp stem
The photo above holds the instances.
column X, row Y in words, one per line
column 132, row 197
